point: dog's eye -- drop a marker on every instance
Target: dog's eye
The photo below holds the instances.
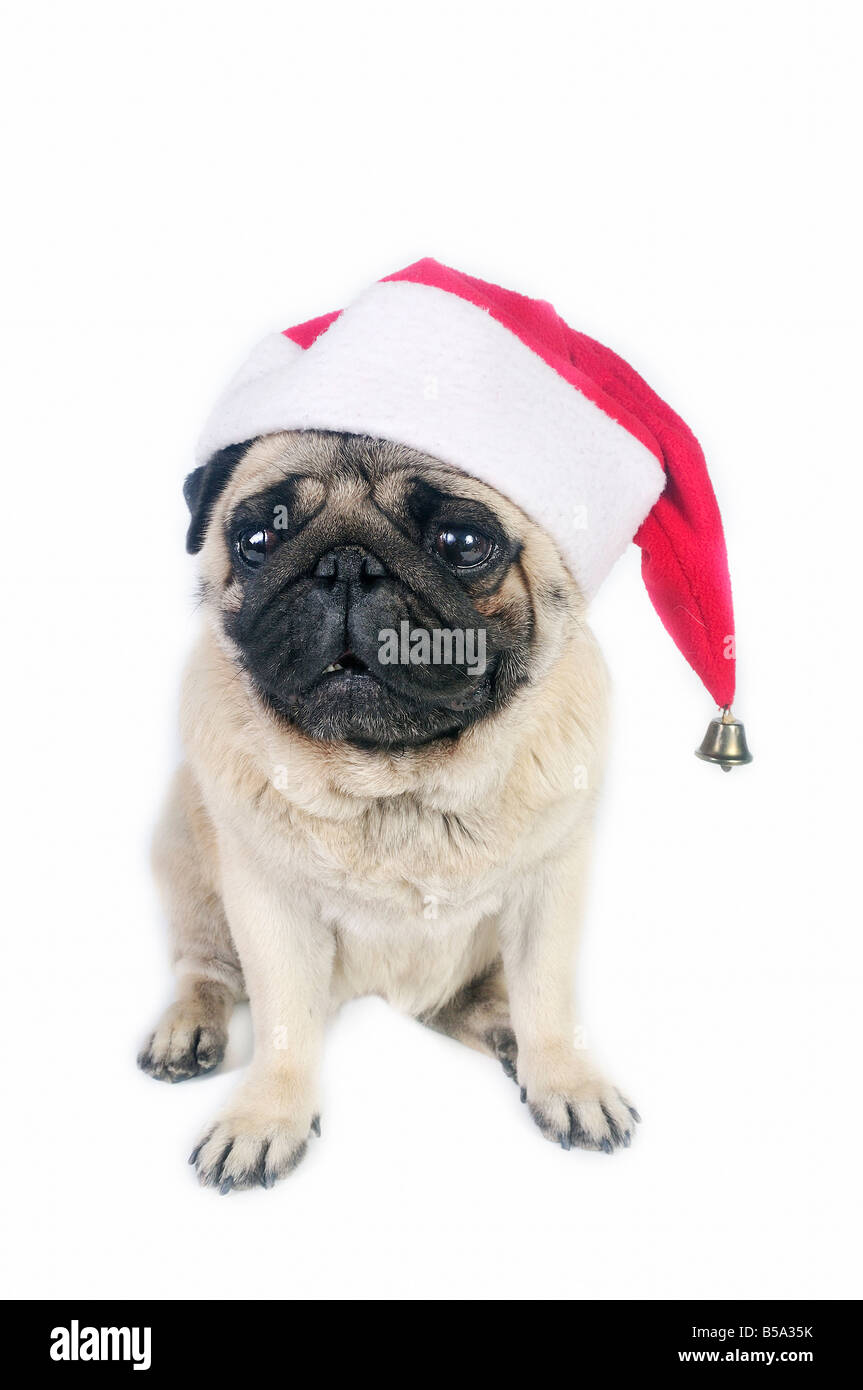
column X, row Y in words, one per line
column 462, row 546
column 254, row 544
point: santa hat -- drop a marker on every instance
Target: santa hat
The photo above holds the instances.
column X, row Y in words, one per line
column 499, row 386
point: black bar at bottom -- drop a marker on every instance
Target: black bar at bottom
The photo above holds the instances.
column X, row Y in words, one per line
column 156, row 1338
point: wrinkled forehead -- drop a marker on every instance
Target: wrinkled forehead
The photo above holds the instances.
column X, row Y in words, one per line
column 316, row 468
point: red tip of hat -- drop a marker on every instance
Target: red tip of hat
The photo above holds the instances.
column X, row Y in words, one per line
column 684, row 561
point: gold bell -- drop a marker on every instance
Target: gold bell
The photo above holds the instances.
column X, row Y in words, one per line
column 725, row 742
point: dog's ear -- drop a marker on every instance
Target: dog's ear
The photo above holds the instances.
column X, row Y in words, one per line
column 203, row 488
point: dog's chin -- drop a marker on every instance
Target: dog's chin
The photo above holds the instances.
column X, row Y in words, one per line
column 351, row 705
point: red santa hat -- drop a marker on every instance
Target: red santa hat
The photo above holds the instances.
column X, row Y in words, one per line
column 499, row 386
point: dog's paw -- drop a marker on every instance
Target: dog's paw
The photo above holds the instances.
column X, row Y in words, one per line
column 581, row 1110
column 259, row 1140
column 186, row 1043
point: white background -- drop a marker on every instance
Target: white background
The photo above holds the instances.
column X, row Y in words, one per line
column 681, row 180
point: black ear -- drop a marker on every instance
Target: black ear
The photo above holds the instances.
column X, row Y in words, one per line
column 203, row 488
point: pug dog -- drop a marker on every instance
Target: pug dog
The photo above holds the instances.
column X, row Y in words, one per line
column 346, row 823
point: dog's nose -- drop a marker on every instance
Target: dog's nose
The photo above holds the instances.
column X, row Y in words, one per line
column 349, row 564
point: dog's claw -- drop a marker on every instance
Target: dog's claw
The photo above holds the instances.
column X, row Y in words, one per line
column 316, row 1126
column 193, row 1156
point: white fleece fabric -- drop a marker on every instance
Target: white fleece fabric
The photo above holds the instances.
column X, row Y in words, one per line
column 249, row 396
column 423, row 367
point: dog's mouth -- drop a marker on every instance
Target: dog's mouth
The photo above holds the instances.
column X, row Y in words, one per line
column 350, row 700
column 348, row 664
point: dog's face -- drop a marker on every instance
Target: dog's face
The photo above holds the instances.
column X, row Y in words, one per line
column 372, row 595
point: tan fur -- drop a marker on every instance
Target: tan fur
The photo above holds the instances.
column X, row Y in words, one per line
column 446, row 878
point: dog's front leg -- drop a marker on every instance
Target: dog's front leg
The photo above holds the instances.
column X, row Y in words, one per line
column 287, row 957
column 569, row 1099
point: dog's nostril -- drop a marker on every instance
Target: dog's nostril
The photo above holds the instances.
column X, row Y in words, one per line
column 326, row 566
column 372, row 567
column 349, row 564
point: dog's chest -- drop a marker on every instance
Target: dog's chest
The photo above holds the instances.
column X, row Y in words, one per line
column 413, row 901
column 407, row 861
